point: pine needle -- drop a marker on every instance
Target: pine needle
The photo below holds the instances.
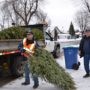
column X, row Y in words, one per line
column 45, row 66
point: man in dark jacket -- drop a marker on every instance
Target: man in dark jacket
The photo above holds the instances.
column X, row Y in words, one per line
column 84, row 51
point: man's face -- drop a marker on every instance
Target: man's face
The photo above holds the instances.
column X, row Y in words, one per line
column 29, row 36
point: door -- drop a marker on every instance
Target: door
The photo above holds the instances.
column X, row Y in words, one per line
column 49, row 42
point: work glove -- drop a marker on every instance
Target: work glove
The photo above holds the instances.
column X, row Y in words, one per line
column 22, row 50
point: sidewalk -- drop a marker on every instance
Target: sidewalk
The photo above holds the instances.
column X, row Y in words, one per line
column 16, row 85
column 81, row 83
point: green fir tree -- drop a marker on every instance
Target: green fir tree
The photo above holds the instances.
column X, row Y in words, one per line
column 72, row 30
column 45, row 66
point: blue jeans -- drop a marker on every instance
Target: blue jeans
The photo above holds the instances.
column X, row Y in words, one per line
column 35, row 79
column 27, row 71
column 86, row 63
column 27, row 77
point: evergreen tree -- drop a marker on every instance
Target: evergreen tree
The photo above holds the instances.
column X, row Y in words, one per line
column 45, row 66
column 71, row 30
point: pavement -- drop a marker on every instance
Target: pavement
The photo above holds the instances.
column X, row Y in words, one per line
column 16, row 85
column 81, row 83
column 77, row 75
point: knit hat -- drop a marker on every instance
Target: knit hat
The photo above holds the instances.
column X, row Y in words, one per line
column 29, row 32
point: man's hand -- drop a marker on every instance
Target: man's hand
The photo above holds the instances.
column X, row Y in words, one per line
column 79, row 53
column 22, row 50
column 28, row 53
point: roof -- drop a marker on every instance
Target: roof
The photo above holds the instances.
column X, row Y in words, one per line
column 34, row 26
column 58, row 30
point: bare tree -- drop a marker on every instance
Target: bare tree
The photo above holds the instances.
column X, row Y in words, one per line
column 87, row 5
column 42, row 18
column 7, row 12
column 82, row 19
column 83, row 16
column 3, row 20
column 21, row 10
column 3, row 23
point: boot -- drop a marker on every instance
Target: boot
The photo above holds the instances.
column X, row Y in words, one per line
column 25, row 83
column 35, row 86
column 86, row 75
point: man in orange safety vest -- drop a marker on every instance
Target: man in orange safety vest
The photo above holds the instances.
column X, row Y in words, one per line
column 27, row 49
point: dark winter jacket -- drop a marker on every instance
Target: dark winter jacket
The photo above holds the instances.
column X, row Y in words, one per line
column 20, row 46
column 84, row 46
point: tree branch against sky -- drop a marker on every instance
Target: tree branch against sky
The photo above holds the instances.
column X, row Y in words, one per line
column 21, row 10
column 87, row 5
column 82, row 19
column 61, row 12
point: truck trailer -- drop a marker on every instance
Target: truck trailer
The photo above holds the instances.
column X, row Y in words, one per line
column 11, row 60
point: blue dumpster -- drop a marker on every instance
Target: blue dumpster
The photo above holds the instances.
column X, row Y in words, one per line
column 70, row 54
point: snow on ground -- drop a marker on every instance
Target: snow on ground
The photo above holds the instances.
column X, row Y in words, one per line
column 69, row 40
column 81, row 83
column 16, row 85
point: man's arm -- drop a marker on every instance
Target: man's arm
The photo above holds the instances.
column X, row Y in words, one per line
column 81, row 53
column 20, row 47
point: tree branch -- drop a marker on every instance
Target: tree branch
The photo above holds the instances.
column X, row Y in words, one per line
column 17, row 12
column 33, row 12
column 87, row 5
column 25, row 9
column 31, row 6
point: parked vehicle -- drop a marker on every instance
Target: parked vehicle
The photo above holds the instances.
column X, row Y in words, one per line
column 64, row 36
column 10, row 58
column 11, row 61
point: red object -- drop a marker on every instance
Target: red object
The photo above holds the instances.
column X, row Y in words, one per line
column 7, row 53
column 25, row 55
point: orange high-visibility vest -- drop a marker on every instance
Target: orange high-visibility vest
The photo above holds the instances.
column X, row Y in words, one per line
column 30, row 48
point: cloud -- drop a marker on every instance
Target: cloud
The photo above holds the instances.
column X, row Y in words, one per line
column 61, row 12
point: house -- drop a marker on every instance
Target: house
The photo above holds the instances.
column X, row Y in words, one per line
column 55, row 32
